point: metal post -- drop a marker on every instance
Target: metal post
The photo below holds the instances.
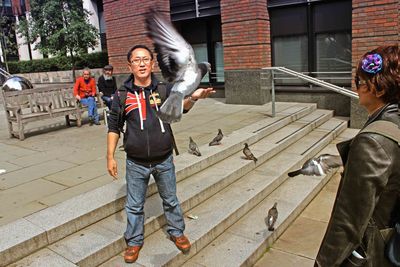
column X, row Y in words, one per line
column 273, row 92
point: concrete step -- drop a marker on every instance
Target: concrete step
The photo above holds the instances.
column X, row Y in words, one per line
column 243, row 243
column 223, row 209
column 103, row 240
column 54, row 223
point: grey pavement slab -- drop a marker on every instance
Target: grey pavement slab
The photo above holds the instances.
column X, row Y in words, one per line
column 9, row 167
column 71, row 215
column 75, row 249
column 79, row 174
column 71, row 192
column 118, row 261
column 31, row 173
column 18, row 196
column 44, row 258
column 276, row 257
column 43, row 156
column 18, row 239
column 15, row 150
column 10, row 215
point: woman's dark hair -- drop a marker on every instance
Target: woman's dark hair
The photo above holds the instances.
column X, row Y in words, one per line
column 128, row 56
column 387, row 79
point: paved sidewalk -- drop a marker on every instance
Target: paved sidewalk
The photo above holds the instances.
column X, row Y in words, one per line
column 55, row 163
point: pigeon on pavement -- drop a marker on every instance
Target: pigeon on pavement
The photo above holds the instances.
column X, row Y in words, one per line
column 177, row 62
column 318, row 166
column 217, row 139
column 272, row 217
column 193, row 148
column 248, row 154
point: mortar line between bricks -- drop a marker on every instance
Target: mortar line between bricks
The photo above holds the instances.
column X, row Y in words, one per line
column 372, row 5
column 377, row 35
column 243, row 20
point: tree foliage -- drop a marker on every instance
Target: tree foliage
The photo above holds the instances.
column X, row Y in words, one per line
column 59, row 28
column 7, row 37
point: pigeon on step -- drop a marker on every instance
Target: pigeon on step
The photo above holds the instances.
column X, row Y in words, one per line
column 193, row 148
column 248, row 154
column 272, row 217
column 217, row 139
column 318, row 166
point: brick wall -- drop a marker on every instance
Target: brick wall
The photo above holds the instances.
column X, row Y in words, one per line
column 245, row 34
column 374, row 23
column 125, row 27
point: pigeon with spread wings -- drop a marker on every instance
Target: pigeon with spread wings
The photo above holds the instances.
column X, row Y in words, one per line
column 177, row 63
column 318, row 166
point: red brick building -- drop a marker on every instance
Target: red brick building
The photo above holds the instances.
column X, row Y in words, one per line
column 324, row 38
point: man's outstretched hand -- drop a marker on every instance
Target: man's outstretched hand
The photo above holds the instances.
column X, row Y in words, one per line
column 202, row 93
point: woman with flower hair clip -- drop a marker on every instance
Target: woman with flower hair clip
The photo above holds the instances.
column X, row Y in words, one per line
column 367, row 203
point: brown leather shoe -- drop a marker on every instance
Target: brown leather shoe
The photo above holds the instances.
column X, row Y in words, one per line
column 131, row 254
column 181, row 242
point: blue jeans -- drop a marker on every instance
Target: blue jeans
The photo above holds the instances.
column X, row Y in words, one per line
column 137, row 179
column 107, row 100
column 90, row 102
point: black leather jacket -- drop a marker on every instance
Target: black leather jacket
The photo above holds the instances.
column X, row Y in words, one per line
column 368, row 198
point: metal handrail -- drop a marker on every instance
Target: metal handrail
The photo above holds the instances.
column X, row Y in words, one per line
column 332, row 87
column 5, row 73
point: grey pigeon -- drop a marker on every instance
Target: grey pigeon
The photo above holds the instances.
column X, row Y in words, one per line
column 248, row 154
column 217, row 140
column 193, row 148
column 272, row 217
column 177, row 63
column 318, row 166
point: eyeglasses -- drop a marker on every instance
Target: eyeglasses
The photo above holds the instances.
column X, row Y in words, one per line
column 359, row 82
column 138, row 60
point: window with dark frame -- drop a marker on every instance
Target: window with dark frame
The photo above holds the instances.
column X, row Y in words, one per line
column 206, row 40
column 312, row 38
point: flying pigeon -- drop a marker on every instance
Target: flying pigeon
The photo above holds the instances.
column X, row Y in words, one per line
column 193, row 148
column 177, row 63
column 248, row 154
column 318, row 166
column 272, row 217
column 217, row 139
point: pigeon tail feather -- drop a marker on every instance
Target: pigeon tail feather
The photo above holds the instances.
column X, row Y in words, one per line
column 271, row 229
column 214, row 143
column 171, row 110
column 294, row 173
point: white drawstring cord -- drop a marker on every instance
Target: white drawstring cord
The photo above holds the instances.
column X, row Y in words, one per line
column 155, row 103
column 140, row 110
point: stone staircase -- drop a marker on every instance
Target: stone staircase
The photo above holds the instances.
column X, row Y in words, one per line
column 229, row 195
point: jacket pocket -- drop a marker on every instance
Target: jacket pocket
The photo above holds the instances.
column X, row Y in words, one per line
column 353, row 260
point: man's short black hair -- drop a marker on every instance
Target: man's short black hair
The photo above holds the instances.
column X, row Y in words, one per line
column 128, row 56
column 108, row 67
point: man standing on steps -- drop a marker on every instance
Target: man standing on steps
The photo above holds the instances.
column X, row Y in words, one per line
column 148, row 143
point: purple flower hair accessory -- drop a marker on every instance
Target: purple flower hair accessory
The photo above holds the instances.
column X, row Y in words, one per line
column 372, row 63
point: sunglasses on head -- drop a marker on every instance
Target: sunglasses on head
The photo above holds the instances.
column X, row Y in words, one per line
column 358, row 82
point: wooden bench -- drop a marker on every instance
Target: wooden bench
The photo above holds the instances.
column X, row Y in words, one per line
column 38, row 104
